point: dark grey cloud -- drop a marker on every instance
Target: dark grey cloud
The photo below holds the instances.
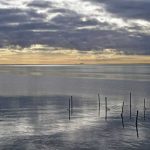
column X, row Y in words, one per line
column 39, row 4
column 17, row 15
column 12, row 16
column 41, row 22
column 135, row 9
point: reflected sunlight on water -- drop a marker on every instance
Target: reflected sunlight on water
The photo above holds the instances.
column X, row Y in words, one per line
column 34, row 107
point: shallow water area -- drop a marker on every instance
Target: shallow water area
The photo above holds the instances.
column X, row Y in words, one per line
column 34, row 107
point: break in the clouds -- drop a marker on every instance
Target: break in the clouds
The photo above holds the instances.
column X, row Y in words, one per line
column 83, row 25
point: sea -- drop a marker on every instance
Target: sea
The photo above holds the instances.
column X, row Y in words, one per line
column 75, row 107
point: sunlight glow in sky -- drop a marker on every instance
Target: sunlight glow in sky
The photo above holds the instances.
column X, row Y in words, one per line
column 68, row 26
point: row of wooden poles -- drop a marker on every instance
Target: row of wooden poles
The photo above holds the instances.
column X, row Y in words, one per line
column 137, row 113
column 106, row 109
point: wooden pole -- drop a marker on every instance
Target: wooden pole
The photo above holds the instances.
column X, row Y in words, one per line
column 99, row 103
column 122, row 115
column 130, row 104
column 137, row 123
column 144, row 108
column 122, row 120
column 71, row 105
column 122, row 106
column 105, row 108
column 71, row 102
column 69, row 108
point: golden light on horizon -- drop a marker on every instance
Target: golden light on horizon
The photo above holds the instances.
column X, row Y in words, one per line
column 36, row 55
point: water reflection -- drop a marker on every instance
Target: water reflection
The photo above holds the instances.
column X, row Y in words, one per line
column 33, row 122
column 34, row 107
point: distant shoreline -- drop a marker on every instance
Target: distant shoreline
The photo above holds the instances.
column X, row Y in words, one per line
column 74, row 64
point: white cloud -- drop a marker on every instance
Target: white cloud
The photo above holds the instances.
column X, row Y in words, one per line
column 86, row 9
column 45, row 49
column 91, row 10
column 14, row 4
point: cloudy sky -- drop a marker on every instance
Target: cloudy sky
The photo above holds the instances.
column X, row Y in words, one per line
column 57, row 31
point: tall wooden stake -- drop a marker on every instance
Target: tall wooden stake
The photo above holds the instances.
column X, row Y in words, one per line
column 69, row 107
column 144, row 108
column 137, row 123
column 122, row 120
column 105, row 108
column 122, row 106
column 99, row 103
column 122, row 115
column 71, row 102
column 130, row 105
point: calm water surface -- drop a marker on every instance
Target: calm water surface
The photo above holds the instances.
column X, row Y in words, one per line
column 34, row 107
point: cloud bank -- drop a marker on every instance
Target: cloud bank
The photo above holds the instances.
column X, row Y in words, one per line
column 43, row 54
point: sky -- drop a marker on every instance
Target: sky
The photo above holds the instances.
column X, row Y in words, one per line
column 74, row 31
